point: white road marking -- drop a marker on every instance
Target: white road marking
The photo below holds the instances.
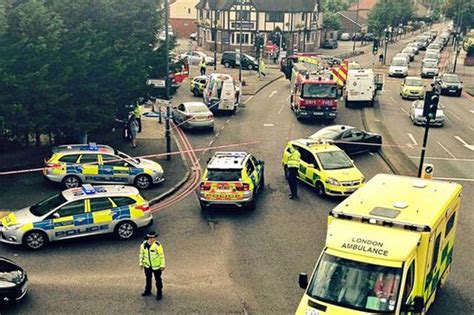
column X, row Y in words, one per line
column 472, row 128
column 472, row 111
column 403, row 110
column 216, row 135
column 454, row 115
column 248, row 100
column 222, row 128
column 227, row 121
column 377, row 120
column 441, row 159
column 447, row 151
column 412, row 139
column 288, row 98
column 268, row 125
column 281, row 108
column 211, row 143
column 455, row 179
column 469, row 146
column 273, row 93
column 370, row 153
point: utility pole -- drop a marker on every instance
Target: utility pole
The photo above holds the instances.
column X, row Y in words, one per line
column 167, row 84
column 457, row 47
column 216, row 14
column 240, row 42
column 357, row 24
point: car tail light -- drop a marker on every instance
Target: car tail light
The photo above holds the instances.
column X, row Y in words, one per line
column 210, row 116
column 52, row 165
column 205, row 186
column 144, row 207
column 242, row 187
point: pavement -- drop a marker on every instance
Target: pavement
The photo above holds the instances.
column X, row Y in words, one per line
column 466, row 73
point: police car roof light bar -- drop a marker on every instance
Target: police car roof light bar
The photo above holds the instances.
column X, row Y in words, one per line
column 88, row 189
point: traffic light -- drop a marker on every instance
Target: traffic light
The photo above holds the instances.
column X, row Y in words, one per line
column 375, row 47
column 431, row 105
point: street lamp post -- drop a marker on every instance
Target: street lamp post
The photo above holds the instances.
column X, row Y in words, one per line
column 167, row 84
column 458, row 50
column 217, row 13
column 240, row 43
column 357, row 23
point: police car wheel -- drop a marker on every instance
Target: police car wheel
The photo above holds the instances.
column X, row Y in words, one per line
column 143, row 181
column 125, row 230
column 320, row 190
column 262, row 183
column 35, row 240
column 71, row 181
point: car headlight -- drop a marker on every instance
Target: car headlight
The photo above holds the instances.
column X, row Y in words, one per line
column 12, row 227
column 332, row 181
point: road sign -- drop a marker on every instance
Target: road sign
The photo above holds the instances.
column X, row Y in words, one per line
column 427, row 172
column 156, row 83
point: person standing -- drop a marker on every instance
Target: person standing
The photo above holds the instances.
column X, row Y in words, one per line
column 202, row 66
column 381, row 58
column 293, row 166
column 261, row 68
column 133, row 126
column 152, row 260
column 138, row 115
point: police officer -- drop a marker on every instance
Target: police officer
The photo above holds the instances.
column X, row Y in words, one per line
column 293, row 166
column 152, row 259
column 202, row 66
column 261, row 68
column 138, row 116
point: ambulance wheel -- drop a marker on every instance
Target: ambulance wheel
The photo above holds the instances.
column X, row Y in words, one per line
column 71, row 181
column 125, row 230
column 196, row 92
column 320, row 189
column 143, row 181
column 35, row 240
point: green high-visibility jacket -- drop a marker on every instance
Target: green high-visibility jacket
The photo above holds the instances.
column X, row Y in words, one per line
column 202, row 64
column 152, row 257
column 294, row 159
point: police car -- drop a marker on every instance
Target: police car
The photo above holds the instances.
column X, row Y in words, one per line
column 231, row 179
column 325, row 167
column 76, row 212
column 197, row 84
column 75, row 164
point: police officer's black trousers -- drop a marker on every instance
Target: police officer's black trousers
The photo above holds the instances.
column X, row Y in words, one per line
column 139, row 120
column 159, row 284
column 203, row 71
column 292, row 180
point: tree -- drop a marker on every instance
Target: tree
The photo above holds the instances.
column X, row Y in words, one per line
column 331, row 21
column 388, row 13
column 461, row 11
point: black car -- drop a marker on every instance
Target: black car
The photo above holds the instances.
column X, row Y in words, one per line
column 229, row 60
column 369, row 37
column 350, row 139
column 13, row 282
column 449, row 84
column 356, row 37
column 329, row 44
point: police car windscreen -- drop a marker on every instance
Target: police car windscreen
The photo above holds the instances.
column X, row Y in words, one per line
column 334, row 160
column 319, row 91
column 48, row 204
column 356, row 285
column 217, row 175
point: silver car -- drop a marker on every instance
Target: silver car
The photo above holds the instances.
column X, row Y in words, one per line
column 193, row 115
column 77, row 212
column 416, row 114
column 429, row 69
column 411, row 51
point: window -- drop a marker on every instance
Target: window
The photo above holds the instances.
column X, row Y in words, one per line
column 250, row 167
column 409, row 282
column 434, row 258
column 223, row 175
column 247, row 38
column 99, row 204
column 123, row 201
column 303, row 16
column 207, row 14
column 189, row 10
column 111, row 160
column 274, row 17
column 243, row 15
column 181, row 108
column 201, row 14
column 72, row 208
column 88, row 158
column 450, row 224
column 69, row 158
column 306, row 156
column 50, row 203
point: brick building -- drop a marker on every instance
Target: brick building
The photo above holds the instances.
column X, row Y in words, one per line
column 183, row 17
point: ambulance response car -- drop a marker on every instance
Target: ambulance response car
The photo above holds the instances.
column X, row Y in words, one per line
column 76, row 212
column 389, row 248
column 75, row 164
column 231, row 179
column 325, row 167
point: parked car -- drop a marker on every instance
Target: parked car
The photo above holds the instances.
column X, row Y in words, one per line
column 368, row 37
column 403, row 55
column 195, row 57
column 193, row 115
column 432, row 54
column 349, row 139
column 434, row 46
column 345, row 36
column 13, row 282
column 356, row 37
column 329, row 44
column 416, row 114
column 193, row 36
column 229, row 60
column 450, row 84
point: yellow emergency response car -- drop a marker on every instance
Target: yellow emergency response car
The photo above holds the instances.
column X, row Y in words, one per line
column 325, row 167
column 389, row 248
column 231, row 179
column 412, row 88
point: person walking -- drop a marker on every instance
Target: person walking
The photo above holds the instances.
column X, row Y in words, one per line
column 293, row 165
column 381, row 58
column 152, row 260
column 261, row 68
column 202, row 66
column 138, row 116
column 133, row 126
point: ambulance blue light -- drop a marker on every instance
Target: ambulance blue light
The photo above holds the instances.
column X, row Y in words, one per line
column 88, row 189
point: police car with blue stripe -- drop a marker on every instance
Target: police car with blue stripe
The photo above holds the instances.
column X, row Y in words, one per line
column 93, row 163
column 76, row 212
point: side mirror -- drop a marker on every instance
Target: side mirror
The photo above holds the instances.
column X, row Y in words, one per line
column 125, row 164
column 418, row 304
column 261, row 162
column 303, row 280
column 56, row 215
column 311, row 165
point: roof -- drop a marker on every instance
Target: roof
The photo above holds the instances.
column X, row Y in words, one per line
column 200, row 104
column 227, row 160
column 352, row 17
column 366, row 5
column 371, row 240
column 99, row 191
column 401, row 200
column 316, row 146
column 264, row 5
column 81, row 148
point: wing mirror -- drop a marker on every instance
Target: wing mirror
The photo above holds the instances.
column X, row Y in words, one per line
column 303, row 280
column 261, row 162
column 56, row 215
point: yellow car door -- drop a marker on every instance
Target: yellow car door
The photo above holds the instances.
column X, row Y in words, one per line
column 114, row 169
column 90, row 168
column 304, row 172
column 102, row 216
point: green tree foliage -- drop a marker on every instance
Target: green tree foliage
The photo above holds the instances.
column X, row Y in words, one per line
column 462, row 13
column 388, row 13
column 66, row 66
column 331, row 21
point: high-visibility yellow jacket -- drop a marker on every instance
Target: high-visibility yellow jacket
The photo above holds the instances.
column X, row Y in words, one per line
column 152, row 257
column 202, row 64
column 294, row 159
column 137, row 111
column 261, row 66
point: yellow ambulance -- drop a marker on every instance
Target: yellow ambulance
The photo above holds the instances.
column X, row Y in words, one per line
column 389, row 247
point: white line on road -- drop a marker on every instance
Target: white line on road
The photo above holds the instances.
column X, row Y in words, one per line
column 248, row 100
column 222, row 128
column 469, row 146
column 441, row 159
column 216, row 135
column 447, row 151
column 403, row 110
column 412, row 139
column 273, row 93
column 211, row 143
column 370, row 153
column 472, row 111
column 472, row 128
column 454, row 115
column 268, row 125
column 227, row 121
column 455, row 179
column 281, row 108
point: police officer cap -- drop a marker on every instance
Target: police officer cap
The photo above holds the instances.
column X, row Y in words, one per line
column 151, row 234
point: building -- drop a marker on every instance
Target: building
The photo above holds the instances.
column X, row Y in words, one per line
column 363, row 7
column 351, row 23
column 300, row 21
column 183, row 17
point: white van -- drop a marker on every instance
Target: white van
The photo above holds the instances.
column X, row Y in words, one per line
column 398, row 67
column 221, row 93
column 360, row 87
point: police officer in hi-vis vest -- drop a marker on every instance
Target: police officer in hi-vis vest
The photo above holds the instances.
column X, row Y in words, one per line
column 152, row 259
